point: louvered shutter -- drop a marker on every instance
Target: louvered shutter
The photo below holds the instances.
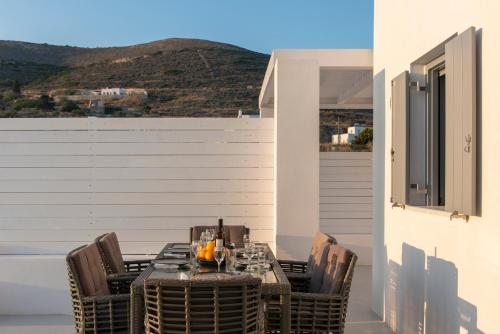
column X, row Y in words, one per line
column 399, row 150
column 460, row 184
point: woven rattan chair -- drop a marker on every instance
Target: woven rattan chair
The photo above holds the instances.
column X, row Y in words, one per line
column 95, row 309
column 234, row 233
column 323, row 311
column 310, row 272
column 210, row 304
column 121, row 272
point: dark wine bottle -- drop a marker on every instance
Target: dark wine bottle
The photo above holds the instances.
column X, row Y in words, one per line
column 220, row 238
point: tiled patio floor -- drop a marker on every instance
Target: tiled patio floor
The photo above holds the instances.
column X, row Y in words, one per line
column 360, row 319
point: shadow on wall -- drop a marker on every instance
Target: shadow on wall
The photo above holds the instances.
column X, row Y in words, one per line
column 414, row 293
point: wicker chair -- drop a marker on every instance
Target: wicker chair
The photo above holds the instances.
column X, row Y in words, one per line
column 310, row 272
column 122, row 273
column 95, row 309
column 205, row 305
column 234, row 233
column 323, row 311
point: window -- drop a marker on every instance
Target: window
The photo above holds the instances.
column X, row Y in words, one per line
column 433, row 153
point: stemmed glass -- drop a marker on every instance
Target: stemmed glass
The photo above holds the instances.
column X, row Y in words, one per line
column 195, row 244
column 211, row 233
column 261, row 258
column 246, row 240
column 207, row 235
column 219, row 256
column 249, row 249
column 203, row 239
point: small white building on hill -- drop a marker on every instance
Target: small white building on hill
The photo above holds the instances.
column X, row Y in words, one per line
column 122, row 92
column 113, row 91
column 347, row 138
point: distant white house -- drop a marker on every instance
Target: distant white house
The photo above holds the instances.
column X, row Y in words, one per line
column 113, row 91
column 241, row 115
column 347, row 138
column 122, row 92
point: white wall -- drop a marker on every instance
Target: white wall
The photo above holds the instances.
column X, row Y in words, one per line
column 65, row 181
column 346, row 209
column 439, row 276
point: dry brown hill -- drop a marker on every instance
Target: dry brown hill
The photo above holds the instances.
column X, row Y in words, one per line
column 185, row 77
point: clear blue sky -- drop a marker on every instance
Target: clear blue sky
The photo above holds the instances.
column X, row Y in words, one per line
column 260, row 25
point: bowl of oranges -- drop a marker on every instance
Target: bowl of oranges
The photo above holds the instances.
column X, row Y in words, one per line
column 205, row 255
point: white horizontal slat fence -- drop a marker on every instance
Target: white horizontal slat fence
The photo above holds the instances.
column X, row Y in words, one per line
column 346, row 199
column 65, row 181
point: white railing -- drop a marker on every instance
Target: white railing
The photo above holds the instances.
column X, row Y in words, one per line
column 346, row 200
column 65, row 181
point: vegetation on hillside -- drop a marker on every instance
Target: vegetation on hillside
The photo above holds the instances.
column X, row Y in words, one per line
column 183, row 77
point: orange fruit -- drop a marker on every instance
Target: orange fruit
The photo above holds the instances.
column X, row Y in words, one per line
column 201, row 254
column 209, row 255
column 211, row 245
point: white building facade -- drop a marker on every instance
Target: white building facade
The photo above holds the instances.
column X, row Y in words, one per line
column 434, row 271
column 122, row 92
column 113, row 92
column 347, row 138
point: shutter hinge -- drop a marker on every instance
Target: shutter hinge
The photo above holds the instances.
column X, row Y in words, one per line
column 468, row 140
column 397, row 205
column 417, row 85
column 456, row 214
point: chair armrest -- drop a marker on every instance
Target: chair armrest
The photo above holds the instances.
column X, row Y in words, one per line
column 106, row 298
column 293, row 266
column 120, row 283
column 136, row 265
column 299, row 281
column 318, row 297
column 122, row 277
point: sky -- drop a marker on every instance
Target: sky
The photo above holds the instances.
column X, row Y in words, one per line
column 259, row 25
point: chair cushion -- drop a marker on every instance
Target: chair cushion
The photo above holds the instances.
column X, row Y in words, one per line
column 90, row 271
column 113, row 253
column 338, row 262
column 317, row 260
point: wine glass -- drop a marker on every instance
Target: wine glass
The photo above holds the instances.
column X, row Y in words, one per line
column 203, row 239
column 249, row 250
column 195, row 244
column 246, row 240
column 261, row 257
column 219, row 256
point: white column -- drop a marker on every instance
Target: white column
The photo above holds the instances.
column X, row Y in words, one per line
column 296, row 168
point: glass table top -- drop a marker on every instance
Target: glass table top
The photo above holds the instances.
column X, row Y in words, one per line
column 189, row 271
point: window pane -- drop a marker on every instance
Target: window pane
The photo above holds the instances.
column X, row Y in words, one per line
column 441, row 137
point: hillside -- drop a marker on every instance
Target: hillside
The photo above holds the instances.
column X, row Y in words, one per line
column 183, row 77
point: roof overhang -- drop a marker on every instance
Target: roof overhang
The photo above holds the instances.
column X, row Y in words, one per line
column 346, row 77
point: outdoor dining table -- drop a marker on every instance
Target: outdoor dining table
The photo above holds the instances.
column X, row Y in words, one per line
column 275, row 287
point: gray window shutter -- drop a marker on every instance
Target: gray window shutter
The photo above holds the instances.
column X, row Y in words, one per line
column 399, row 152
column 460, row 62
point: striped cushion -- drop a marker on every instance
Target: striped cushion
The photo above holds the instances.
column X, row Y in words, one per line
column 90, row 271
